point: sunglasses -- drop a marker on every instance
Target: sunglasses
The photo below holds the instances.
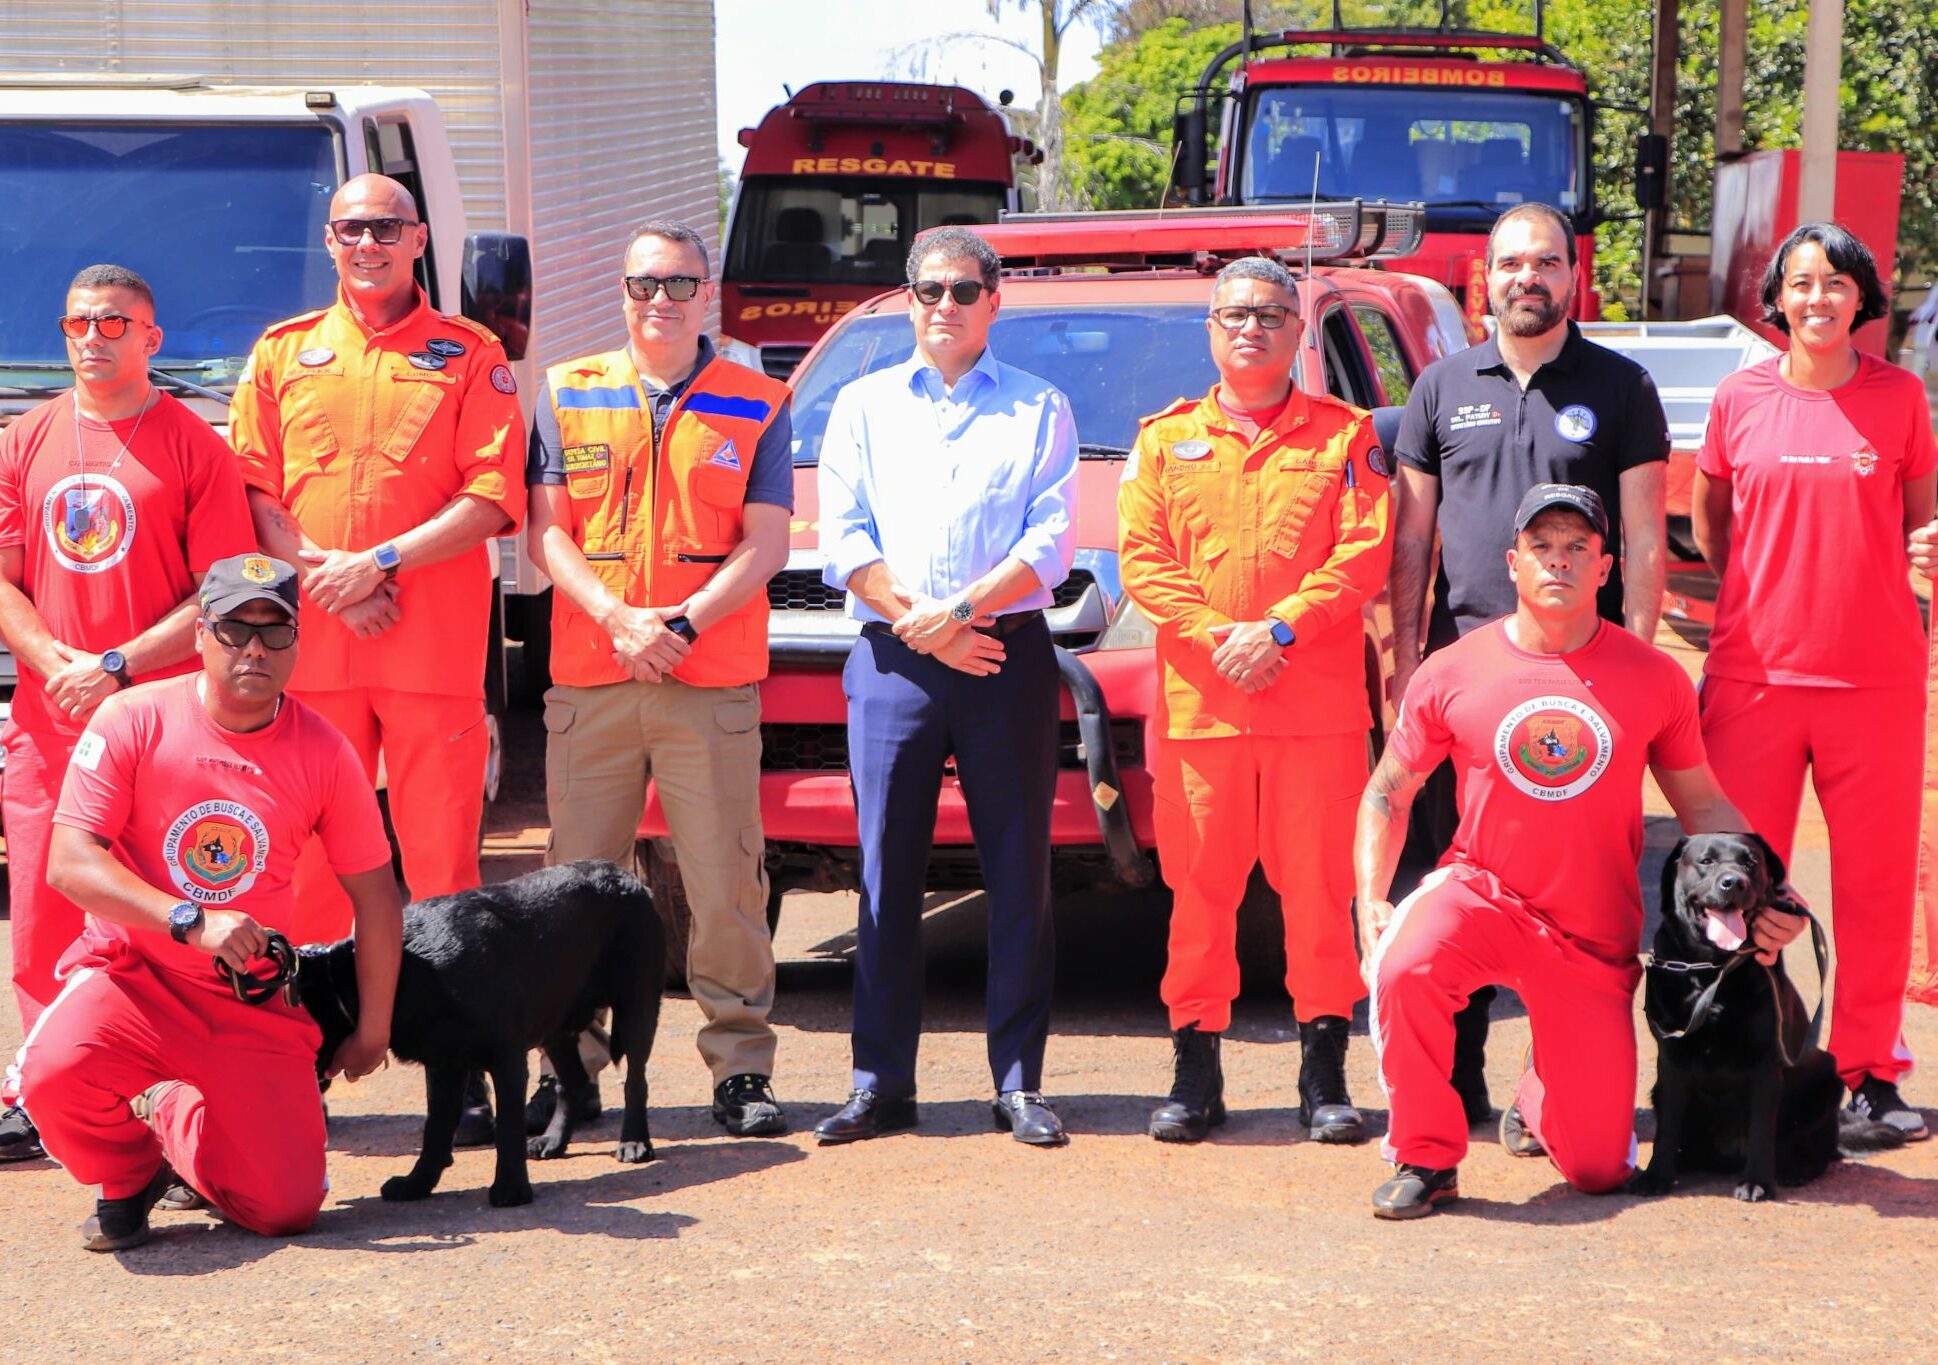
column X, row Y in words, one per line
column 112, row 327
column 384, row 231
column 1271, row 317
column 679, row 288
column 237, row 634
column 929, row 292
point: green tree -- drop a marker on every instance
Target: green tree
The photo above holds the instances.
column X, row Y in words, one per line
column 1117, row 124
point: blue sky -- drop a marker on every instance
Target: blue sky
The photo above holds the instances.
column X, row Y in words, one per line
column 765, row 44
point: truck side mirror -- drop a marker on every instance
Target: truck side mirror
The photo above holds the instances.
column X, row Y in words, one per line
column 497, row 287
column 1651, row 171
column 1188, row 153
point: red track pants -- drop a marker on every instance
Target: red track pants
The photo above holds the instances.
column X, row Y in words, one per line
column 42, row 923
column 1459, row 932
column 245, row 1124
column 1224, row 805
column 434, row 750
column 1865, row 751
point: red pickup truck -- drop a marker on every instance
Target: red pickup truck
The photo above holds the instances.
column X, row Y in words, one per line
column 1109, row 308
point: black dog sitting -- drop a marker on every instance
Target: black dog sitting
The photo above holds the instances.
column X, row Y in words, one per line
column 1740, row 1088
column 488, row 975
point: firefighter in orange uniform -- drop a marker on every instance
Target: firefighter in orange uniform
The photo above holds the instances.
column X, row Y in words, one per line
column 1254, row 525
column 382, row 445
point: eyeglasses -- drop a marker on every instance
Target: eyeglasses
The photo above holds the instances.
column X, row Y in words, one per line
column 237, row 634
column 384, row 231
column 1271, row 316
column 930, row 292
column 112, row 326
column 679, row 288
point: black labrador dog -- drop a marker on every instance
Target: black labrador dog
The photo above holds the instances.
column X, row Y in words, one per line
column 488, row 975
column 1741, row 1089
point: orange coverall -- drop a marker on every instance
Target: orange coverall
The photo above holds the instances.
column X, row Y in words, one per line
column 363, row 435
column 1217, row 529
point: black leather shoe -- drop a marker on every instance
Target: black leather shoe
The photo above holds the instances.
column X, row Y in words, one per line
column 119, row 1224
column 866, row 1115
column 474, row 1124
column 19, row 1139
column 1415, row 1191
column 745, row 1106
column 586, row 1105
column 1024, row 1116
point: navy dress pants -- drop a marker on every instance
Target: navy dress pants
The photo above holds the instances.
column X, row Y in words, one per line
column 907, row 713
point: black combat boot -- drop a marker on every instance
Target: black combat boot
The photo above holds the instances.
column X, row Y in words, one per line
column 1324, row 1106
column 1197, row 1099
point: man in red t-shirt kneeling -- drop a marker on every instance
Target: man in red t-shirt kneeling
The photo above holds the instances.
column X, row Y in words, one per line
column 1549, row 717
column 185, row 806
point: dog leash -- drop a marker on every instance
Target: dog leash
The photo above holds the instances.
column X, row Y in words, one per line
column 1706, row 1002
column 258, row 990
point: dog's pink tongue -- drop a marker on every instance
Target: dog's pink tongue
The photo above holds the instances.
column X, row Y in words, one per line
column 1726, row 929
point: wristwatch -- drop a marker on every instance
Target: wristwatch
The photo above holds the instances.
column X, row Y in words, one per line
column 963, row 612
column 683, row 628
column 184, row 919
column 387, row 558
column 1282, row 635
column 115, row 664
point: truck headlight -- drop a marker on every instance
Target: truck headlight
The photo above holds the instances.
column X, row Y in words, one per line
column 739, row 352
column 1129, row 629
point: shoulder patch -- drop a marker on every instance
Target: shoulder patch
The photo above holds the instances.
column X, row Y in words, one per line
column 88, row 750
column 501, row 379
column 1379, row 461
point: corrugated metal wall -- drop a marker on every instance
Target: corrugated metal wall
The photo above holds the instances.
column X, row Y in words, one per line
column 621, row 95
column 622, row 130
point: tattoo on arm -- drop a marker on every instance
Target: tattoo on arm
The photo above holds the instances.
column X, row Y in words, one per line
column 1392, row 784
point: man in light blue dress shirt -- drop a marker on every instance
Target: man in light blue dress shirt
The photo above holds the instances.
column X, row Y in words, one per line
column 945, row 486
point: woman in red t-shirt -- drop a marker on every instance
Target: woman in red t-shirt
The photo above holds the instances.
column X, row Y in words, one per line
column 1815, row 468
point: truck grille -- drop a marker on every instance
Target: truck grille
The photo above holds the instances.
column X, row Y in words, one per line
column 803, row 590
column 779, row 361
column 822, row 748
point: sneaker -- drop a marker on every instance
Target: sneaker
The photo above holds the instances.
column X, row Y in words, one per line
column 1517, row 1139
column 1878, row 1100
column 19, row 1139
column 745, row 1106
column 119, row 1224
column 586, row 1105
column 1415, row 1191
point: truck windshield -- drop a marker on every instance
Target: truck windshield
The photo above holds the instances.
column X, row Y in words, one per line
column 1477, row 150
column 806, row 230
column 1116, row 365
column 224, row 221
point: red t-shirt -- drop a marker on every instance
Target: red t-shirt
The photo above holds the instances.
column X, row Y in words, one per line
column 1549, row 751
column 213, row 816
column 1817, row 589
column 108, row 546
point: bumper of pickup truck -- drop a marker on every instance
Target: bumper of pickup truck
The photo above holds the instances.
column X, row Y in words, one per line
column 807, row 804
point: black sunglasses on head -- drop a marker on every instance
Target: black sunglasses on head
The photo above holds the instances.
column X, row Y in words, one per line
column 384, row 231
column 237, row 634
column 679, row 288
column 930, row 292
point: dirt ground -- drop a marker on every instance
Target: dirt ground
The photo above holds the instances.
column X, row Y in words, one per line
column 954, row 1242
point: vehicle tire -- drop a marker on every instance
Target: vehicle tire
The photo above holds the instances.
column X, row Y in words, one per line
column 662, row 877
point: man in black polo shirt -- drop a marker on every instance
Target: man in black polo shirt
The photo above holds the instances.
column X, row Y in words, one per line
column 1538, row 403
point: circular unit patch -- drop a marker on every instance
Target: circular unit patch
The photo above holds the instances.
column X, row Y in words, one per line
column 215, row 850
column 1553, row 748
column 1575, row 422
column 89, row 520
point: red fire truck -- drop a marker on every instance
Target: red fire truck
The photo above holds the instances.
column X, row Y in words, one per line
column 1468, row 123
column 836, row 184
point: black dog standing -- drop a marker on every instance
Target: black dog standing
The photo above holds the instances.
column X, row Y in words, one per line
column 1741, row 1085
column 491, row 973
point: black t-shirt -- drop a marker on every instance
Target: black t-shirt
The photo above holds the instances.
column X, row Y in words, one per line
column 1584, row 417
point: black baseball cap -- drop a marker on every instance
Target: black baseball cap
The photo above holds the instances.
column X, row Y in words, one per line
column 242, row 579
column 1572, row 496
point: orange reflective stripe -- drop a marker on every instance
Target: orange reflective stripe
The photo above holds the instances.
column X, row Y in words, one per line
column 656, row 530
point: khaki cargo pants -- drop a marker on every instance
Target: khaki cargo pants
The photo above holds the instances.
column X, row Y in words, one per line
column 701, row 746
